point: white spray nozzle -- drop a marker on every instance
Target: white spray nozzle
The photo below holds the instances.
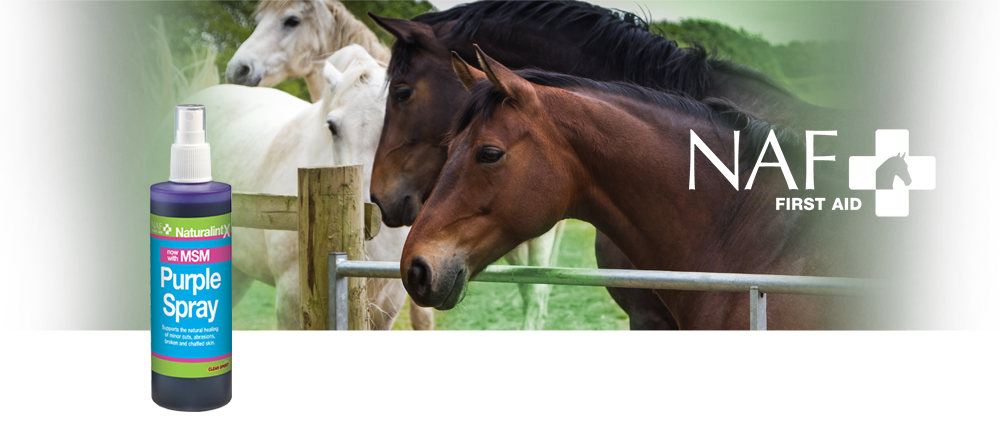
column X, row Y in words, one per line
column 190, row 157
column 189, row 124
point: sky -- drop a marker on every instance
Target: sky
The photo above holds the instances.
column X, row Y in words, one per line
column 778, row 21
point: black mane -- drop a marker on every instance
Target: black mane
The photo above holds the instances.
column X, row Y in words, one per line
column 644, row 58
column 721, row 113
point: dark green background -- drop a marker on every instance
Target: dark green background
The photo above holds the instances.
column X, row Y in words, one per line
column 75, row 156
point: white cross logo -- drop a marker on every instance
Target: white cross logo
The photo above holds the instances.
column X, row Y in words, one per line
column 892, row 172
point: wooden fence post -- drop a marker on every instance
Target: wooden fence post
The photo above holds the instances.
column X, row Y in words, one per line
column 331, row 219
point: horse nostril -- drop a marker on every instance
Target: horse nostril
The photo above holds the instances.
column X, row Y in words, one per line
column 419, row 277
column 240, row 75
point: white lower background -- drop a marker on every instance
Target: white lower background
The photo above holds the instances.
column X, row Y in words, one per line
column 528, row 376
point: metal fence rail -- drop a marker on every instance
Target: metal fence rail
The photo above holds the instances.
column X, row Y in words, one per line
column 758, row 286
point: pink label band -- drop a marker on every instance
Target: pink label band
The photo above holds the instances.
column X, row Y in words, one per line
column 196, row 255
column 173, row 238
column 192, row 360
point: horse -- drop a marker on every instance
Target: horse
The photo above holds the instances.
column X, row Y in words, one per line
column 531, row 148
column 425, row 97
column 260, row 136
column 539, row 251
column 567, row 37
column 292, row 38
column 892, row 167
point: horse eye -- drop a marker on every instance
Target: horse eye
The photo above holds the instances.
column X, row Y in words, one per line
column 332, row 126
column 489, row 155
column 402, row 94
column 291, row 22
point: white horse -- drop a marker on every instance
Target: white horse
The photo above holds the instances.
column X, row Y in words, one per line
column 291, row 40
column 261, row 136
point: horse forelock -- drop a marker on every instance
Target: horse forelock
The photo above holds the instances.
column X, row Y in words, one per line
column 399, row 62
column 358, row 71
column 478, row 107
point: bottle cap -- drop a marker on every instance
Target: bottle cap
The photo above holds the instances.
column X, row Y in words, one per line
column 190, row 156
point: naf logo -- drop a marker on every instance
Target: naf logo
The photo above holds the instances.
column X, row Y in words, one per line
column 892, row 172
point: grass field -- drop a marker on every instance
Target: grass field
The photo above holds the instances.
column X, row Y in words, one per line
column 490, row 306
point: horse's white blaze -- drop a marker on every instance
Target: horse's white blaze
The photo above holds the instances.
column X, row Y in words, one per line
column 261, row 136
column 291, row 40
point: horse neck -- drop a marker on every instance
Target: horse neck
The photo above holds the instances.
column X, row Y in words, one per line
column 614, row 193
column 756, row 94
column 633, row 187
column 551, row 51
column 348, row 30
column 316, row 85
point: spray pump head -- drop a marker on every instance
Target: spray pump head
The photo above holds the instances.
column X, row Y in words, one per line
column 190, row 157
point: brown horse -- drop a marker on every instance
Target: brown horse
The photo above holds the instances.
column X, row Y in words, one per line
column 424, row 97
column 573, row 38
column 525, row 154
column 568, row 37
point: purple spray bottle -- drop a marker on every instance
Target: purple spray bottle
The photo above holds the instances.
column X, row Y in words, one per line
column 190, row 250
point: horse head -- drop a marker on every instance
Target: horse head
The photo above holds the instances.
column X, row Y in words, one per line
column 505, row 181
column 423, row 97
column 289, row 40
column 353, row 105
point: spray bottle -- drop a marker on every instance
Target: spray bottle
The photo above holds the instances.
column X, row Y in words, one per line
column 191, row 275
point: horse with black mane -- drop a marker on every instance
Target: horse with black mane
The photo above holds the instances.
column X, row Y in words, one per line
column 531, row 148
column 565, row 37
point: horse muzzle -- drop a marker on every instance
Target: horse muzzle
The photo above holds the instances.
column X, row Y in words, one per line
column 399, row 212
column 243, row 73
column 435, row 283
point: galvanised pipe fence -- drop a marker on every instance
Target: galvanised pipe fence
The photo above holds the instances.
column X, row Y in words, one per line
column 329, row 215
column 757, row 286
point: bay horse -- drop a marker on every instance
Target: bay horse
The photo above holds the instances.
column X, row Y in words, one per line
column 532, row 148
column 291, row 40
column 573, row 38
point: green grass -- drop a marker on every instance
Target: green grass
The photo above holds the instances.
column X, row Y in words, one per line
column 490, row 306
column 256, row 310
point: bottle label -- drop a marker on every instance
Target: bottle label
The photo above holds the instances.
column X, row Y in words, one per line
column 191, row 295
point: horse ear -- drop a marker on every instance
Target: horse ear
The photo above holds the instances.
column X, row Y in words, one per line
column 331, row 73
column 467, row 74
column 404, row 30
column 505, row 80
column 332, row 76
